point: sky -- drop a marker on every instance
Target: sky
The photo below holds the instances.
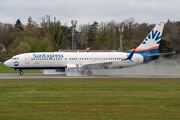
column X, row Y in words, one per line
column 88, row 11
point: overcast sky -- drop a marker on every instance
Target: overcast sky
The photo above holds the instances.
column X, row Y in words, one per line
column 87, row 11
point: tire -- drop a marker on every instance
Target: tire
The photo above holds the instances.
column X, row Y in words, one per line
column 89, row 72
column 21, row 73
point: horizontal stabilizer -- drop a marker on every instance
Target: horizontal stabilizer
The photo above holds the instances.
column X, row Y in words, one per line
column 161, row 54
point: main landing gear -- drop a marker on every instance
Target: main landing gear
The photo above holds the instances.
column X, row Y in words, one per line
column 89, row 72
column 21, row 73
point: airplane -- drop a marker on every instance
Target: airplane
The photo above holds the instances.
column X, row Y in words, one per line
column 85, row 62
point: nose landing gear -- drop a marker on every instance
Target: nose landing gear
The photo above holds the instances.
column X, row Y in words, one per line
column 21, row 73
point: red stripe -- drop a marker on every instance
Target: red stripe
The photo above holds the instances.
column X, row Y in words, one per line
column 138, row 50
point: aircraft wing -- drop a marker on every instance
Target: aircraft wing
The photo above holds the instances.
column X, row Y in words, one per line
column 98, row 65
column 105, row 64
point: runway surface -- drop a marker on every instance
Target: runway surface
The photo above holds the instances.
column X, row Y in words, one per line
column 143, row 71
column 123, row 75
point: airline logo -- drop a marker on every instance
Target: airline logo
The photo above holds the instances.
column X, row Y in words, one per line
column 16, row 63
column 153, row 35
column 48, row 56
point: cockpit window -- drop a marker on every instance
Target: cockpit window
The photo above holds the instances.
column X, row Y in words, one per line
column 15, row 58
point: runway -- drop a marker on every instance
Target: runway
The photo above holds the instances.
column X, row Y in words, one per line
column 122, row 75
column 142, row 71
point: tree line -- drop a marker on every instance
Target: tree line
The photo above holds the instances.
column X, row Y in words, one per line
column 51, row 35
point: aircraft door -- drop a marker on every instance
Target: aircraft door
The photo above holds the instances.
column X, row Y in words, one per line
column 27, row 59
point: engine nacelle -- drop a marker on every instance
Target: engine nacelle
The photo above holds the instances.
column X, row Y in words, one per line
column 74, row 70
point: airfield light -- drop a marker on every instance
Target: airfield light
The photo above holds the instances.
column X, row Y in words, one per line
column 121, row 37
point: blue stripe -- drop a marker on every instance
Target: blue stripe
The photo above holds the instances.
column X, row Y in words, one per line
column 146, row 53
column 34, row 68
column 153, row 51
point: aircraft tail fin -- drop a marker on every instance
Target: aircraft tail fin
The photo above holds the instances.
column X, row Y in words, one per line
column 151, row 43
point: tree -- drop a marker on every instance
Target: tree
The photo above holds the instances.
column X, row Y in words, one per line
column 52, row 30
column 45, row 45
column 65, row 37
column 17, row 50
column 18, row 24
column 165, row 47
column 31, row 30
column 83, row 36
column 30, row 21
column 92, row 35
column 26, row 43
column 25, row 47
column 102, row 35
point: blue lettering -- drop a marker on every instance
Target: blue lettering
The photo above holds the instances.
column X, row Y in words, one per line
column 48, row 56
column 34, row 56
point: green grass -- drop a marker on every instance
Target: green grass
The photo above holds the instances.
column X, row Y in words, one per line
column 5, row 69
column 90, row 99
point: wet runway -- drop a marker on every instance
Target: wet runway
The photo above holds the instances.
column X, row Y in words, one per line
column 122, row 75
column 143, row 71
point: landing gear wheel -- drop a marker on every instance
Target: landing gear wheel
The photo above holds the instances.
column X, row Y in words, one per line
column 89, row 72
column 21, row 73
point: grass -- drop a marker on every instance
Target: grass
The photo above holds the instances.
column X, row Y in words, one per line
column 5, row 69
column 77, row 99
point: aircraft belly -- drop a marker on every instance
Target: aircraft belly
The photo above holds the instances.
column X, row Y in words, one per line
column 41, row 65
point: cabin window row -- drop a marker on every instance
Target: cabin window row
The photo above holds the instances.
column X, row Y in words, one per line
column 79, row 58
column 46, row 58
column 101, row 58
column 72, row 58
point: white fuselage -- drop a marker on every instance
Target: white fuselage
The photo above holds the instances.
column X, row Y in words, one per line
column 59, row 60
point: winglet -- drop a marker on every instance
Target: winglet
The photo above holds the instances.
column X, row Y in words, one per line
column 131, row 55
column 87, row 50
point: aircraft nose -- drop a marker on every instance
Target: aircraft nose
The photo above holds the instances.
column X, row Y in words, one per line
column 7, row 63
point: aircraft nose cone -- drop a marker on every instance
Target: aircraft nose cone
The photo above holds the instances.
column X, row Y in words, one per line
column 7, row 63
